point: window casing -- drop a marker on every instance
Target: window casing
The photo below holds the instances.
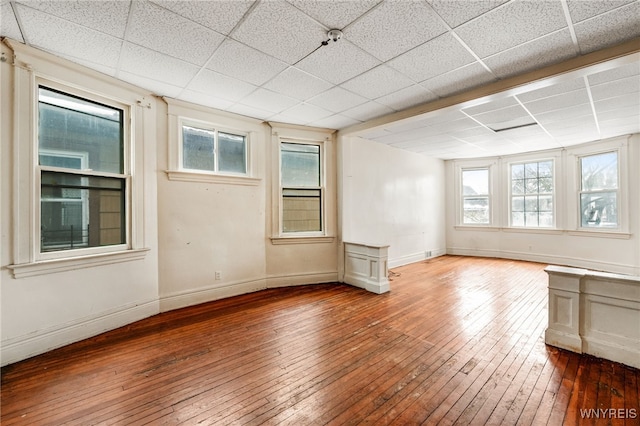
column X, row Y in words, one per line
column 599, row 190
column 476, row 200
column 204, row 148
column 532, row 194
column 301, row 188
column 82, row 180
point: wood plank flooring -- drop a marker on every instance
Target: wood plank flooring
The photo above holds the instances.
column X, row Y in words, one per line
column 458, row 340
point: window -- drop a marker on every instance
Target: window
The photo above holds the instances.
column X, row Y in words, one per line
column 301, row 187
column 532, row 194
column 211, row 150
column 81, row 168
column 599, row 190
column 475, row 196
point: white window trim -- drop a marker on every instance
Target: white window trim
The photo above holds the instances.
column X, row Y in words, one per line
column 574, row 173
column 31, row 68
column 463, row 165
column 540, row 159
column 125, row 176
column 180, row 113
column 296, row 134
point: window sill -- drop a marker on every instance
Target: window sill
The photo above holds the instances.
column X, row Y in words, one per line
column 301, row 240
column 180, row 175
column 71, row 263
column 600, row 234
column 477, row 228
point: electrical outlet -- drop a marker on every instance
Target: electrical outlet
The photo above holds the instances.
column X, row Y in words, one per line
column 427, row 253
column 218, row 275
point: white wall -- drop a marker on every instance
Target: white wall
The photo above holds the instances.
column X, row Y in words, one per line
column 617, row 251
column 48, row 308
column 392, row 197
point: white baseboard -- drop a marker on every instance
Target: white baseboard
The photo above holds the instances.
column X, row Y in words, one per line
column 611, row 351
column 416, row 257
column 23, row 347
column 183, row 299
column 289, row 280
column 546, row 258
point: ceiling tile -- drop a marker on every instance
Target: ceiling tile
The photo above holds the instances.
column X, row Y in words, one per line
column 151, row 64
column 156, row 87
column 437, row 56
column 221, row 16
column 337, row 100
column 407, row 97
column 512, row 24
column 305, row 113
column 297, row 84
column 244, row 63
column 367, row 111
column 250, row 111
column 104, row 69
column 456, row 12
column 158, row 29
column 280, row 30
column 492, row 105
column 395, row 27
column 337, row 121
column 629, row 113
column 220, row 85
column 506, row 117
column 205, row 99
column 377, row 82
column 615, row 88
column 552, row 90
column 268, row 100
column 579, row 10
column 459, row 80
column 334, row 14
column 561, row 101
column 608, row 29
column 632, row 100
column 338, row 62
column 109, row 17
column 629, row 70
column 581, row 110
column 63, row 37
column 8, row 22
column 547, row 50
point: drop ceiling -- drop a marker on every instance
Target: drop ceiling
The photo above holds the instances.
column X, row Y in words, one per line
column 264, row 59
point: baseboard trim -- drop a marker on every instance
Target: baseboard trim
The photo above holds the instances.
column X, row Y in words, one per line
column 276, row 281
column 545, row 258
column 416, row 257
column 23, row 347
column 192, row 297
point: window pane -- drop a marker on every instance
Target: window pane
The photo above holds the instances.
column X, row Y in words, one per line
column 517, row 187
column 475, row 182
column 301, row 210
column 545, row 203
column 531, row 219
column 476, row 210
column 536, row 208
column 517, row 171
column 300, row 165
column 197, row 148
column 599, row 209
column 78, row 211
column 531, row 170
column 76, row 128
column 231, row 153
column 531, row 203
column 517, row 218
column 545, row 185
column 599, row 171
column 545, row 169
column 531, row 186
column 517, row 204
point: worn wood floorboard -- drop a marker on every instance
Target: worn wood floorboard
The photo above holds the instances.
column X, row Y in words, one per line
column 457, row 341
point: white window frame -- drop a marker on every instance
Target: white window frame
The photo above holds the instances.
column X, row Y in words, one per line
column 125, row 176
column 471, row 166
column 510, row 194
column 32, row 68
column 574, row 174
column 322, row 231
column 180, row 112
column 581, row 191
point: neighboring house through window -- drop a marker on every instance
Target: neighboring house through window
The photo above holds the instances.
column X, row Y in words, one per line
column 599, row 190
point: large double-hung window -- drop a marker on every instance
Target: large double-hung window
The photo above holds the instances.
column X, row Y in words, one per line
column 81, row 170
column 301, row 187
column 599, row 190
column 476, row 197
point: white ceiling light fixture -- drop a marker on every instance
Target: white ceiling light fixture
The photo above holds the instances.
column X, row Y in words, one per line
column 334, row 35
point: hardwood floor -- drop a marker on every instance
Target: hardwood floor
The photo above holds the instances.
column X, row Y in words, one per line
column 457, row 341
